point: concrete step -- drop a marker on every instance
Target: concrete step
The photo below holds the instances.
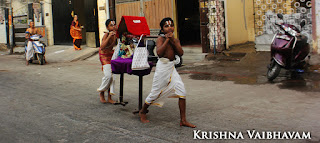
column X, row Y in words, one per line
column 263, row 47
column 19, row 44
column 19, row 49
column 20, row 26
column 68, row 54
column 192, row 49
column 20, row 35
column 193, row 57
column 64, row 53
column 193, row 54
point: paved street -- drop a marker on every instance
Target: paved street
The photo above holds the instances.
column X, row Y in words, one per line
column 58, row 102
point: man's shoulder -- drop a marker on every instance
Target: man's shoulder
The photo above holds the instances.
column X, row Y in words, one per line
column 105, row 35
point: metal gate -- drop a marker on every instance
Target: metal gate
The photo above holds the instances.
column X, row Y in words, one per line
column 20, row 23
column 216, row 26
column 294, row 12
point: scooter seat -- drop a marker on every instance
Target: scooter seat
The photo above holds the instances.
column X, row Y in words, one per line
column 38, row 44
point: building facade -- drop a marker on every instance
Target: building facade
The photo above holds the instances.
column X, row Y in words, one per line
column 213, row 25
column 192, row 20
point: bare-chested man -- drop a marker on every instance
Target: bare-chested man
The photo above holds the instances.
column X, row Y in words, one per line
column 29, row 32
column 167, row 81
column 105, row 55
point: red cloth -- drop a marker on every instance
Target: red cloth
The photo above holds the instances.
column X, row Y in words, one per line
column 135, row 25
column 105, row 56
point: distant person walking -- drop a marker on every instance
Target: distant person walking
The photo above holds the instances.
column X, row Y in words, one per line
column 75, row 32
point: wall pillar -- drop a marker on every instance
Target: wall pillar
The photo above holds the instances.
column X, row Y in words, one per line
column 316, row 26
column 48, row 21
column 103, row 15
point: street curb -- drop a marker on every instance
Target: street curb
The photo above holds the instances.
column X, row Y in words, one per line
column 85, row 56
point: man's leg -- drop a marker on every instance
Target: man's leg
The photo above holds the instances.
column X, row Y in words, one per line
column 143, row 113
column 160, row 81
column 102, row 99
column 79, row 43
column 109, row 98
column 29, row 52
column 106, row 81
column 76, row 44
column 182, row 107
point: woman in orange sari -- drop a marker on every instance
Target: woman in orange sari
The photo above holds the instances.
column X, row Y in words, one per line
column 75, row 32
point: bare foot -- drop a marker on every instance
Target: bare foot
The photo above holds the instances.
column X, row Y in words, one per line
column 187, row 124
column 111, row 101
column 102, row 100
column 143, row 117
column 27, row 63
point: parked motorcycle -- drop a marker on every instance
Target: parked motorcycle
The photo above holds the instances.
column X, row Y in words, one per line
column 152, row 57
column 39, row 49
column 288, row 50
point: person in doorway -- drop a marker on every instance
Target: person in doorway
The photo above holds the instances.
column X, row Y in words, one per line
column 76, row 33
column 105, row 55
column 29, row 32
column 167, row 81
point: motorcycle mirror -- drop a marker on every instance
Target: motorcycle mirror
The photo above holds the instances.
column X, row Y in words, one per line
column 280, row 16
column 303, row 23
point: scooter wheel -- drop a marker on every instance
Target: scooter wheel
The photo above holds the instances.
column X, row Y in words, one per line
column 41, row 59
column 273, row 70
column 178, row 61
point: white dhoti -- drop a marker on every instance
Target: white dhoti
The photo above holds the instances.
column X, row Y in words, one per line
column 167, row 83
column 30, row 51
column 108, row 80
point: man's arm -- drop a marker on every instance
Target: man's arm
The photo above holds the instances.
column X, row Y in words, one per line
column 162, row 46
column 177, row 46
column 73, row 27
column 105, row 40
column 27, row 34
column 79, row 29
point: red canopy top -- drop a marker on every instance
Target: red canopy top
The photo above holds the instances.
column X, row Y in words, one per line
column 135, row 25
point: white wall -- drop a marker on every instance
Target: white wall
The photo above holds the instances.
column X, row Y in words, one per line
column 48, row 20
column 3, row 32
column 317, row 42
column 103, row 15
column 19, row 7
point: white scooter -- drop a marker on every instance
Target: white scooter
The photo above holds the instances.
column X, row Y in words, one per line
column 39, row 49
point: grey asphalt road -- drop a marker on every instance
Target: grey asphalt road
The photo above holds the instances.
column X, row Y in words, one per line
column 58, row 102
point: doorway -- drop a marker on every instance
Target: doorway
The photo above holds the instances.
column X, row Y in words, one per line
column 189, row 22
column 61, row 10
column 87, row 16
column 92, row 29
